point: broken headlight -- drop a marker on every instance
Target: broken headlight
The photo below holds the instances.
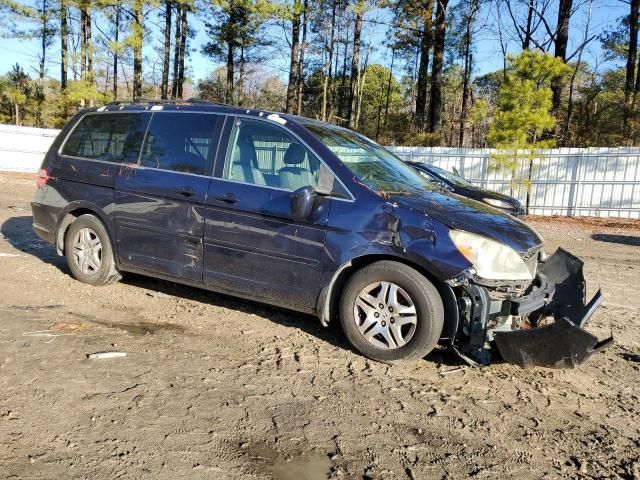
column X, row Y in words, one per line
column 492, row 260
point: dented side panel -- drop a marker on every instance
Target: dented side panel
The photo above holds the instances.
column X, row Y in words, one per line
column 372, row 226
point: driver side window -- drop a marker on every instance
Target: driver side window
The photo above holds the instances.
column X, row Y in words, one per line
column 264, row 154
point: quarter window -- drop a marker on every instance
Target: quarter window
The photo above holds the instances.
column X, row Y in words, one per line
column 264, row 154
column 181, row 142
column 108, row 137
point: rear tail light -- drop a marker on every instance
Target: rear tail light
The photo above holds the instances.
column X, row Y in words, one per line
column 43, row 177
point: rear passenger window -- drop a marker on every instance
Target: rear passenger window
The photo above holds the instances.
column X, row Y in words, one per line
column 181, row 142
column 108, row 137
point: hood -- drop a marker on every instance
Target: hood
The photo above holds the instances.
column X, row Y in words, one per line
column 479, row 193
column 463, row 213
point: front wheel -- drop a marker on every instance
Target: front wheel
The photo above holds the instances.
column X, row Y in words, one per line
column 89, row 253
column 391, row 312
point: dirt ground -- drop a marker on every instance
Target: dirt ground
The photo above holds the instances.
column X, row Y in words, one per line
column 214, row 387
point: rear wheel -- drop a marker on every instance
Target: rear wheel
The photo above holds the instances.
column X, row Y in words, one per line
column 391, row 312
column 89, row 253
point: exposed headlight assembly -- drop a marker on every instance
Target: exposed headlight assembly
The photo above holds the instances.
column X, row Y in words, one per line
column 492, row 260
column 497, row 203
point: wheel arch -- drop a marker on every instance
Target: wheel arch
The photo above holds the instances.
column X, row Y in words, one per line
column 328, row 300
column 72, row 212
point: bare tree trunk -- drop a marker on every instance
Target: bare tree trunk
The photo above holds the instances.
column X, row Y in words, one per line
column 183, row 49
column 435, row 104
column 43, row 44
column 83, row 42
column 64, row 44
column 361, row 80
column 176, row 53
column 241, row 69
column 426, row 42
column 343, row 80
column 137, row 48
column 468, row 61
column 527, row 33
column 89, row 49
column 303, row 47
column 386, row 104
column 565, row 133
column 328, row 77
column 464, row 109
column 292, row 86
column 166, row 61
column 228, row 95
column 115, row 52
column 355, row 64
column 631, row 63
column 562, row 39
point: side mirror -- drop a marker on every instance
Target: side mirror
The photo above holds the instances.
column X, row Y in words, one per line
column 302, row 203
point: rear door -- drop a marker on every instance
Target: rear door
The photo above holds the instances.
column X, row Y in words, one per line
column 160, row 199
column 253, row 246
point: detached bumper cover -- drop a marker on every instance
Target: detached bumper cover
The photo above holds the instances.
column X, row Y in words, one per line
column 564, row 343
column 559, row 345
column 557, row 304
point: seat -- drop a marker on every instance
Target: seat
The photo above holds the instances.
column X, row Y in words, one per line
column 188, row 162
column 243, row 166
column 293, row 176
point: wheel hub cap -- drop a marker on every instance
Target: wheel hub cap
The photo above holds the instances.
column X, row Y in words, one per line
column 87, row 251
column 385, row 315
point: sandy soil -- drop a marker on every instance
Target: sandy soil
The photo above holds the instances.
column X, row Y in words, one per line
column 214, row 387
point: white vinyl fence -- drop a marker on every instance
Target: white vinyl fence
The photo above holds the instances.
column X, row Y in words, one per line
column 22, row 148
column 602, row 182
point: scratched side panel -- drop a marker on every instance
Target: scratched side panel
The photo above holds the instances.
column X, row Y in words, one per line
column 158, row 229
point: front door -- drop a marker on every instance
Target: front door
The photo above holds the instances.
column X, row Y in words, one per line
column 160, row 200
column 253, row 246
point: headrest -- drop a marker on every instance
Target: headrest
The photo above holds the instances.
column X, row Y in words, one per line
column 189, row 162
column 294, row 155
column 244, row 153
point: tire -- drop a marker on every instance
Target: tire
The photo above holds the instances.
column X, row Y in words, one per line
column 88, row 250
column 408, row 331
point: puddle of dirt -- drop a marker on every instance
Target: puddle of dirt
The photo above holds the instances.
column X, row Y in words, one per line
column 304, row 467
column 132, row 327
column 314, row 467
column 141, row 328
column 33, row 308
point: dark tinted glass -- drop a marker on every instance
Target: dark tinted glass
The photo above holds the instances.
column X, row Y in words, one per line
column 181, row 142
column 109, row 137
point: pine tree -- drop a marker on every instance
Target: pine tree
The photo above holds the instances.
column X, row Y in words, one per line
column 524, row 112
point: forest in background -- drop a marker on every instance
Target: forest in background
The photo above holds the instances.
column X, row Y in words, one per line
column 422, row 89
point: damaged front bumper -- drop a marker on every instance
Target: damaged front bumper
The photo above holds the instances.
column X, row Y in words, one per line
column 540, row 325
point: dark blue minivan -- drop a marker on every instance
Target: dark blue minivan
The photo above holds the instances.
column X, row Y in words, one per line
column 311, row 217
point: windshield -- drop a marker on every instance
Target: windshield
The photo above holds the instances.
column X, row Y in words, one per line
column 455, row 179
column 374, row 166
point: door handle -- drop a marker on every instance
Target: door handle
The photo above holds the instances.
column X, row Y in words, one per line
column 227, row 198
column 185, row 191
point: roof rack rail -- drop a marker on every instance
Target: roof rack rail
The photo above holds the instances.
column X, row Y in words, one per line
column 151, row 101
column 201, row 101
column 138, row 100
